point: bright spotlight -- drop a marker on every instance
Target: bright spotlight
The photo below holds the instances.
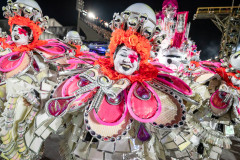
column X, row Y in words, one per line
column 106, row 24
column 91, row 15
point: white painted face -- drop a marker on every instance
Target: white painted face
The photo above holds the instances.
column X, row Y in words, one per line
column 170, row 57
column 235, row 60
column 126, row 61
column 20, row 36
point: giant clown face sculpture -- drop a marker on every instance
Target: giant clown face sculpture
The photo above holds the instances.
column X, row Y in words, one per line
column 126, row 61
column 171, row 57
column 21, row 35
column 235, row 60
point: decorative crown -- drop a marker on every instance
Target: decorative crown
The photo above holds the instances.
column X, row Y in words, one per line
column 137, row 23
column 28, row 9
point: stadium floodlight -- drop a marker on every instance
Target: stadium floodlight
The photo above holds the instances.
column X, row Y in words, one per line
column 106, row 24
column 80, row 5
column 91, row 15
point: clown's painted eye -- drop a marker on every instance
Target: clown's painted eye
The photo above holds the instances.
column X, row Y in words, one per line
column 236, row 56
column 123, row 55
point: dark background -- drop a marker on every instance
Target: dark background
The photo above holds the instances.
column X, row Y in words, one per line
column 203, row 32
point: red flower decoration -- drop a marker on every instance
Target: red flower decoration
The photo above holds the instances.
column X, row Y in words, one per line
column 133, row 40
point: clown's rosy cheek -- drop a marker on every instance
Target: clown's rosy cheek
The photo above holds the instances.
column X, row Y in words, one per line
column 133, row 58
column 22, row 31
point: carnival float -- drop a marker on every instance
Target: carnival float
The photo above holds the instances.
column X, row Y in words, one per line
column 149, row 97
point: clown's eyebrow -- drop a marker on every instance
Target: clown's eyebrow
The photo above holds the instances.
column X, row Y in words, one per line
column 124, row 49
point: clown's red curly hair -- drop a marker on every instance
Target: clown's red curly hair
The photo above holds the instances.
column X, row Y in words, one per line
column 138, row 43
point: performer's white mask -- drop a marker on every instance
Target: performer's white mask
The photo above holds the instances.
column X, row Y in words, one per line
column 20, row 36
column 126, row 61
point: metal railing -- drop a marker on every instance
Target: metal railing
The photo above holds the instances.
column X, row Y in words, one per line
column 218, row 10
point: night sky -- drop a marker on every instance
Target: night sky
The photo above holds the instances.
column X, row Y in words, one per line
column 203, row 32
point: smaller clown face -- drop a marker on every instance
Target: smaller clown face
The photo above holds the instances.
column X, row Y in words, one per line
column 126, row 61
column 21, row 35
